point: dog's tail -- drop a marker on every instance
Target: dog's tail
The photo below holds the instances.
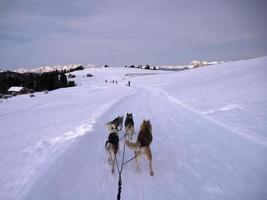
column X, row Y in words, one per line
column 133, row 145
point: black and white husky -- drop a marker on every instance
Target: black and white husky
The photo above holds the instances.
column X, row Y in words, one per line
column 117, row 122
column 112, row 145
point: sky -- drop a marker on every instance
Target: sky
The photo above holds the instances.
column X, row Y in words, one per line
column 124, row 32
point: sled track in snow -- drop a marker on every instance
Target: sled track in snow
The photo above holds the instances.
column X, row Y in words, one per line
column 247, row 136
column 191, row 156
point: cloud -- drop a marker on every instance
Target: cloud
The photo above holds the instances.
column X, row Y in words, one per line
column 124, row 32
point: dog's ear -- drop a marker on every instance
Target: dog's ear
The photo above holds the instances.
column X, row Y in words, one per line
column 107, row 124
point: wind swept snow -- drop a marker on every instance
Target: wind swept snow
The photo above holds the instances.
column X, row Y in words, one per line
column 208, row 124
column 223, row 109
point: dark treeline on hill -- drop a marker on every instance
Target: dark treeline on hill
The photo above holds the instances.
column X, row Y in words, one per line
column 34, row 81
column 80, row 67
column 141, row 67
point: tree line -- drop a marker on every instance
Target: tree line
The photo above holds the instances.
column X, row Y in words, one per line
column 141, row 67
column 36, row 82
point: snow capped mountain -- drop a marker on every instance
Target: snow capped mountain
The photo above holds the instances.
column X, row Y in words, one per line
column 196, row 63
column 193, row 64
column 44, row 69
column 174, row 67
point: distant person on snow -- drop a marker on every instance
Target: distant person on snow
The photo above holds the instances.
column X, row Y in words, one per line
column 129, row 83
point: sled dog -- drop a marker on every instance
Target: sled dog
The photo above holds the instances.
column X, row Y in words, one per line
column 129, row 126
column 112, row 145
column 117, row 122
column 142, row 145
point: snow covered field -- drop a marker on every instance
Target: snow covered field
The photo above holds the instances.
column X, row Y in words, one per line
column 209, row 135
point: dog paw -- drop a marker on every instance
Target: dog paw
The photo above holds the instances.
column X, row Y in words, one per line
column 151, row 173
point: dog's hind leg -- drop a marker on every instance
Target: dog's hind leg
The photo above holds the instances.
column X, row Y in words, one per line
column 137, row 160
column 112, row 162
column 131, row 134
column 150, row 168
column 149, row 158
column 109, row 158
column 128, row 135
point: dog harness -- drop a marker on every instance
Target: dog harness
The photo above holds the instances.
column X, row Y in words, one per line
column 128, row 121
column 113, row 138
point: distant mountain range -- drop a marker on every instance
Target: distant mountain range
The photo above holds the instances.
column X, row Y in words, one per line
column 72, row 67
column 44, row 69
column 193, row 64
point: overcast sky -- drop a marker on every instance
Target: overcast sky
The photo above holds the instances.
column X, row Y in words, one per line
column 122, row 32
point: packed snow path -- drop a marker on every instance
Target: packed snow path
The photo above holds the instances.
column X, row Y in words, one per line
column 193, row 158
column 56, row 150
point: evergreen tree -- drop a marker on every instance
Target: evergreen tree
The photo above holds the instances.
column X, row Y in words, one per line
column 63, row 80
column 71, row 84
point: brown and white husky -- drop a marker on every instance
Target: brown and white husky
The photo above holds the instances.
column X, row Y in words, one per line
column 142, row 145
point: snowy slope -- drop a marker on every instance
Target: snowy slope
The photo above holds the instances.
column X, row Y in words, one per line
column 233, row 93
column 209, row 136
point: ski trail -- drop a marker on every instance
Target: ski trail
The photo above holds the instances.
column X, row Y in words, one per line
column 36, row 161
column 193, row 158
column 57, row 166
column 214, row 157
column 247, row 136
